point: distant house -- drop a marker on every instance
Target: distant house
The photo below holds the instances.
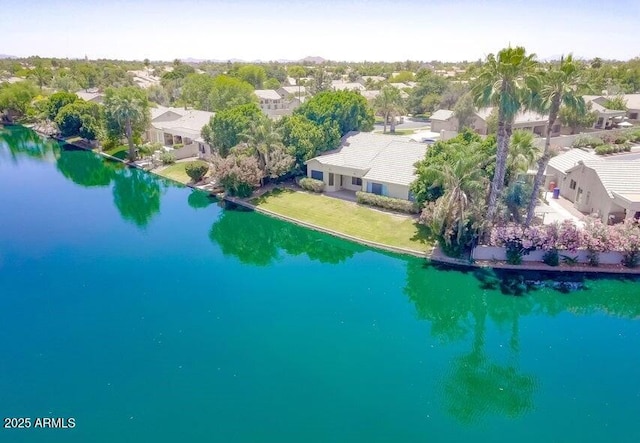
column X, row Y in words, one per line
column 340, row 85
column 376, row 163
column 274, row 105
column 370, row 95
column 288, row 92
column 371, row 78
column 91, row 95
column 176, row 126
column 558, row 166
column 607, row 188
column 606, row 118
column 444, row 119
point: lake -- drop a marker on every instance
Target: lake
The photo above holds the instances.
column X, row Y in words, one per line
column 147, row 312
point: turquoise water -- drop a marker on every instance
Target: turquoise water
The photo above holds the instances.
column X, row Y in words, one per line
column 147, row 313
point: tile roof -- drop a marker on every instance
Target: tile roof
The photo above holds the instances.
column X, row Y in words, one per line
column 619, row 177
column 521, row 117
column 569, row 159
column 339, row 85
column 293, row 90
column 190, row 121
column 267, row 94
column 442, row 115
column 381, row 157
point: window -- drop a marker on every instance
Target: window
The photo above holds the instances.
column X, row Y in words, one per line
column 376, row 188
column 633, row 116
column 331, row 179
column 318, row 175
column 572, row 184
column 357, row 181
column 579, row 197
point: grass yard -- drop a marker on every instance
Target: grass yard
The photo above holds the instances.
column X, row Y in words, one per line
column 120, row 152
column 348, row 218
column 176, row 172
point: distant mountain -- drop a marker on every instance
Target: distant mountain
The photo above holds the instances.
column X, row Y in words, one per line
column 306, row 60
column 317, row 60
column 7, row 56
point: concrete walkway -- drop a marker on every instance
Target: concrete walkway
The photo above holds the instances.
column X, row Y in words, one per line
column 562, row 209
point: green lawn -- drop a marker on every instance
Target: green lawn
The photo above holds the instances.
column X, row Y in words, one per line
column 176, row 172
column 120, row 152
column 348, row 218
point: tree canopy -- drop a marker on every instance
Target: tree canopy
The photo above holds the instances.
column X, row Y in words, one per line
column 225, row 129
column 348, row 109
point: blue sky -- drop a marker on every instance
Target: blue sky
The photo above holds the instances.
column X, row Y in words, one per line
column 339, row 30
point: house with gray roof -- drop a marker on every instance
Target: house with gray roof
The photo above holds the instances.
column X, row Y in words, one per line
column 377, row 163
column 608, row 188
column 181, row 127
column 274, row 104
column 558, row 166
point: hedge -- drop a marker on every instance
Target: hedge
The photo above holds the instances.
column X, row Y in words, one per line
column 395, row 204
column 196, row 170
column 311, row 184
column 583, row 141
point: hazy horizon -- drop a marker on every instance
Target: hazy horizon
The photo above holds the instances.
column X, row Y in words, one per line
column 352, row 31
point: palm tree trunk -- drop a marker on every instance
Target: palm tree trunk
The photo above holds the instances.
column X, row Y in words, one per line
column 385, row 117
column 129, row 133
column 392, row 123
column 504, row 131
column 542, row 162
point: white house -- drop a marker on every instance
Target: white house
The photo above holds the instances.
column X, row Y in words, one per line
column 274, row 105
column 608, row 188
column 178, row 126
column 91, row 95
column 558, row 166
column 377, row 163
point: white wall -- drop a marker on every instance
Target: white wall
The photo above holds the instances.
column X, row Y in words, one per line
column 499, row 253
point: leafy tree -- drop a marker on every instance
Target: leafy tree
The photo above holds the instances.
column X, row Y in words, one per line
column 505, row 81
column 348, row 109
column 306, row 139
column 264, row 140
column 441, row 153
column 238, row 174
column 252, row 74
column 57, row 101
column 464, row 110
column 126, row 113
column 196, row 170
column 41, row 74
column 558, row 89
column 321, row 81
column 64, row 82
column 157, row 94
column 617, row 103
column 225, row 128
column 577, row 119
column 296, row 72
column 228, row 92
column 402, row 77
column 196, row 91
column 427, row 94
column 452, row 95
column 271, row 83
column 75, row 116
column 15, row 100
column 389, row 104
column 87, row 75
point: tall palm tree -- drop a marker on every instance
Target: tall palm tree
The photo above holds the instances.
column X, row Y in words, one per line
column 463, row 185
column 388, row 105
column 522, row 154
column 559, row 86
column 505, row 81
column 264, row 139
column 130, row 110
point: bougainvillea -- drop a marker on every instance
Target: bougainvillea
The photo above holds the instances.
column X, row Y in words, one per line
column 595, row 237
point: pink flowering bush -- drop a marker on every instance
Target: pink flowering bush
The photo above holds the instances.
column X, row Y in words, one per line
column 626, row 236
column 596, row 237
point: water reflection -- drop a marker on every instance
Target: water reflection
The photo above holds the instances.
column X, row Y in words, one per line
column 23, row 142
column 136, row 194
column 478, row 384
column 200, row 199
column 85, row 169
column 260, row 244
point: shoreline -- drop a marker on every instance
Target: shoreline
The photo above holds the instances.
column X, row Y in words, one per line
column 435, row 256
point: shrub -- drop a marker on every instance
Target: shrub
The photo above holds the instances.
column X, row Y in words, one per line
column 178, row 145
column 627, row 148
column 551, row 257
column 620, row 139
column 634, row 135
column 237, row 174
column 167, row 158
column 583, row 141
column 196, row 170
column 395, row 204
column 625, row 237
column 311, row 184
column 604, row 150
